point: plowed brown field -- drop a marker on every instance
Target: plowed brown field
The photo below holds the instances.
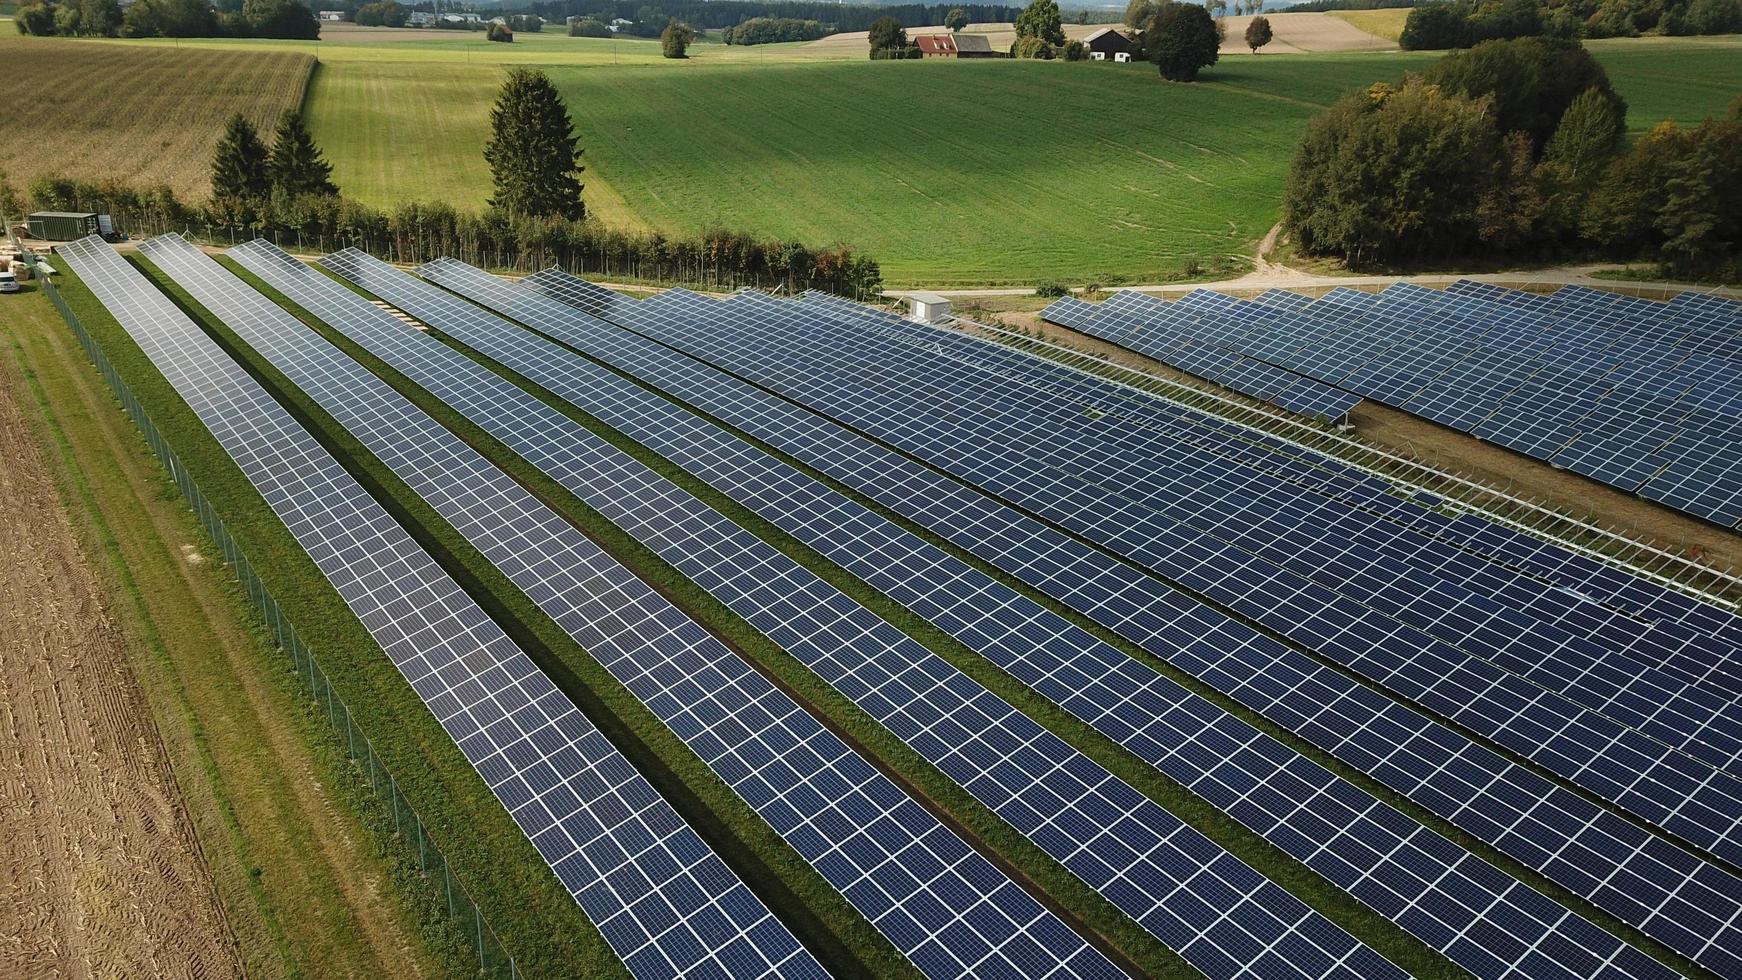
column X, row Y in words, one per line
column 100, row 872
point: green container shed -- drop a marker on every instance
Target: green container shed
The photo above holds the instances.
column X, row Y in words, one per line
column 61, row 226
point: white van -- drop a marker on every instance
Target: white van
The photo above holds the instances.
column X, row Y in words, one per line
column 8, row 282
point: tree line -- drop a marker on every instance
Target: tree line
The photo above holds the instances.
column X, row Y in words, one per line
column 773, row 30
column 536, row 215
column 1515, row 150
column 720, row 14
column 1447, row 24
column 283, row 19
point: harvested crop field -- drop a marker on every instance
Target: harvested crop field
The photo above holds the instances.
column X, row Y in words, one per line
column 100, row 871
column 103, row 110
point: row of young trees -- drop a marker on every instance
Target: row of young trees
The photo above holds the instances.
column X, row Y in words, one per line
column 284, row 19
column 1447, row 24
column 1514, row 150
column 535, row 217
column 420, row 232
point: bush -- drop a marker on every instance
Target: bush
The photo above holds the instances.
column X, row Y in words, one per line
column 1032, row 47
column 499, row 32
column 1051, row 290
column 675, row 40
column 418, row 232
column 1076, row 51
column 589, row 27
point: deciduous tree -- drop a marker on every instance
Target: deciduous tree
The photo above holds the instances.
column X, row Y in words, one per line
column 1393, row 174
column 956, row 19
column 1182, row 39
column 888, row 39
column 1041, row 19
column 1258, row 33
column 1532, row 81
column 533, row 152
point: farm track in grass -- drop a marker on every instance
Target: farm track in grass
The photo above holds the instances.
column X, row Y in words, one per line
column 135, row 113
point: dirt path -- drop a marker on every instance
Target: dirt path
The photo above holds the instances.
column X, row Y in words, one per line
column 100, row 872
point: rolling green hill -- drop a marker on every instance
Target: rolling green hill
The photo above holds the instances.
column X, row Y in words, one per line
column 948, row 173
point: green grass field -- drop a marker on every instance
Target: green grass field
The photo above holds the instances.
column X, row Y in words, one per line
column 948, row 173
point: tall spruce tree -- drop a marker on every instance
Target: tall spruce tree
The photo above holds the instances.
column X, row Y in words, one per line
column 239, row 165
column 296, row 166
column 533, row 149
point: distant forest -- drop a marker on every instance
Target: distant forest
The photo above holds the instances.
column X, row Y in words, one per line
column 716, row 14
column 1312, row 6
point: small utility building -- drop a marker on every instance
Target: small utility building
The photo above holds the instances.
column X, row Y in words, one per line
column 1108, row 44
column 61, row 226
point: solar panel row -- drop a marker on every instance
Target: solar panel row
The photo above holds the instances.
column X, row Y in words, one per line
column 1586, row 581
column 824, row 365
column 1279, row 386
column 1603, row 670
column 1364, row 846
column 662, row 899
column 938, row 901
column 1524, row 815
column 1606, row 583
column 1607, row 661
column 1368, row 513
column 1148, row 863
column 1643, row 396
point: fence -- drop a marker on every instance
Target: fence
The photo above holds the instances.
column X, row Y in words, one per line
column 493, row 961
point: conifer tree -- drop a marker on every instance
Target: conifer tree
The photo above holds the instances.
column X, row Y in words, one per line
column 296, row 166
column 239, row 165
column 533, row 150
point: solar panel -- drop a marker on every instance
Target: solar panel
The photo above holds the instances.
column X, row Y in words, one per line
column 1195, row 353
column 941, row 903
column 1660, row 784
column 660, row 896
column 1453, row 356
column 1273, row 524
column 1157, row 869
column 1681, row 648
column 1524, row 815
column 1402, row 865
